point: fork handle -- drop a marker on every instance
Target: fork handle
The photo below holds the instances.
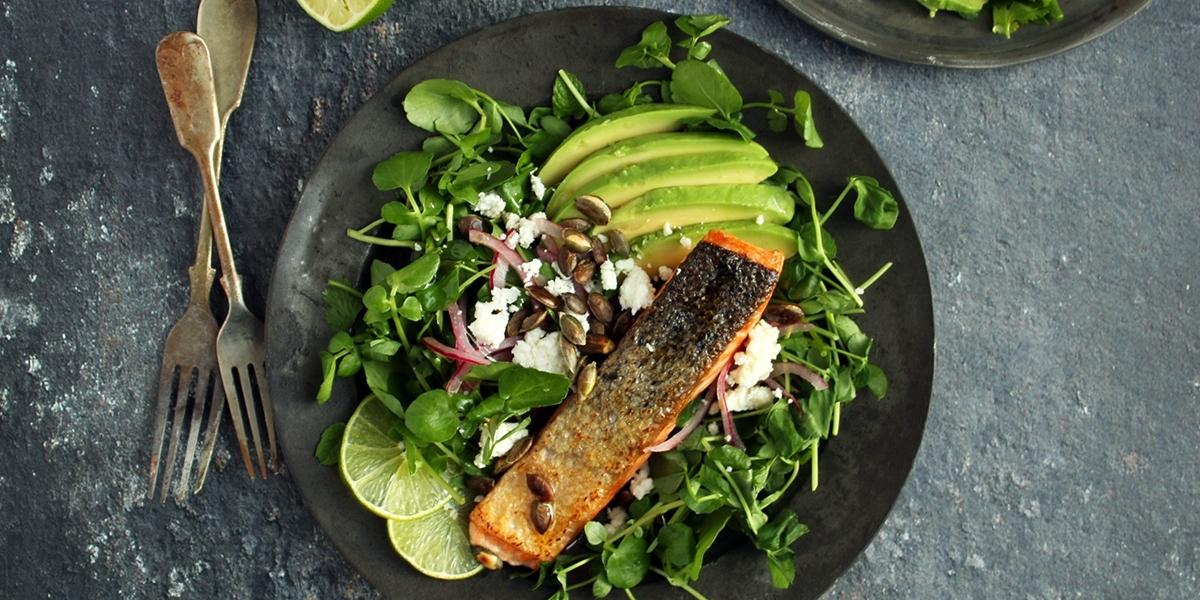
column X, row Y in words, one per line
column 212, row 198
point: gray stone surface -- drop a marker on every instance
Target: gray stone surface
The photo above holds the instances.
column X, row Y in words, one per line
column 1057, row 202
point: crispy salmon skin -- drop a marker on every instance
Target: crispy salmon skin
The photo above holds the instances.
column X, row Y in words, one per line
column 592, row 446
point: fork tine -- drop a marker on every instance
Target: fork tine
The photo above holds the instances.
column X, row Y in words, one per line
column 229, row 382
column 166, row 384
column 181, row 403
column 264, row 395
column 252, row 416
column 198, row 403
column 216, row 409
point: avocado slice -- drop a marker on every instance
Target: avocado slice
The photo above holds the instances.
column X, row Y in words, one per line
column 634, row 181
column 642, row 148
column 668, row 250
column 611, row 128
column 688, row 205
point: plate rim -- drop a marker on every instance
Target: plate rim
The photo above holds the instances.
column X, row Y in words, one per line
column 649, row 15
column 804, row 9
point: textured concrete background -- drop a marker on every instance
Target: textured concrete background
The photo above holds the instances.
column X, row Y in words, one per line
column 1057, row 202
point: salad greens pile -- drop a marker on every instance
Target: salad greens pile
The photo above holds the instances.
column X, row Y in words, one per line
column 1007, row 15
column 403, row 332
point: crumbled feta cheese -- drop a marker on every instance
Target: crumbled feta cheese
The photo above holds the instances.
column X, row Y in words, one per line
column 560, row 285
column 510, row 240
column 777, row 393
column 602, row 237
column 755, row 362
column 760, row 220
column 491, row 317
column 636, row 292
column 641, row 484
column 625, row 265
column 538, row 186
column 748, row 398
column 664, row 273
column 667, row 229
column 616, row 519
column 511, row 220
column 489, row 205
column 713, row 428
column 540, row 350
column 685, row 241
column 527, row 230
column 530, row 269
column 417, row 247
column 608, row 275
column 507, row 434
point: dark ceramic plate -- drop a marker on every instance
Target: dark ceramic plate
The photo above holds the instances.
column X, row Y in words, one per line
column 902, row 30
column 863, row 469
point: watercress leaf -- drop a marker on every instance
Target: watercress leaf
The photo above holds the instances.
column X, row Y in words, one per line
column 480, row 177
column 781, row 532
column 379, row 271
column 328, row 371
column 330, row 444
column 627, row 565
column 818, row 412
column 488, row 372
column 676, row 544
column 442, row 106
column 415, row 275
column 431, row 417
column 874, row 206
column 402, row 170
column 601, row 588
column 380, row 348
column 649, row 53
column 723, row 124
column 807, row 244
column 524, row 388
column 379, row 380
column 595, row 532
column 802, row 118
column 782, row 428
column 730, row 456
column 782, row 565
column 706, row 534
column 411, row 309
column 858, row 344
column 568, row 97
column 341, row 305
column 513, row 113
column 377, row 300
column 490, row 407
column 874, row 378
column 699, row 26
column 777, row 121
column 803, row 189
column 702, row 84
column 438, row 145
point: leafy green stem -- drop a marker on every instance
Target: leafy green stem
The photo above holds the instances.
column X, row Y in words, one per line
column 681, row 585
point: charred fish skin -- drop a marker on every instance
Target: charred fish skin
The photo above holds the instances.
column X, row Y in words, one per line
column 593, row 445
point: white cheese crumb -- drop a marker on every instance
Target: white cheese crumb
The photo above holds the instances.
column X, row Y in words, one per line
column 489, row 205
column 418, row 248
column 777, row 393
column 491, row 317
column 685, row 241
column 527, row 232
column 616, row 519
column 608, row 275
column 538, row 186
column 755, row 362
column 560, row 285
column 665, row 272
column 760, row 220
column 540, row 350
column 636, row 292
column 504, row 444
column 641, row 484
column 625, row 265
column 530, row 269
column 667, row 230
column 713, row 428
column 748, row 398
column 511, row 220
column 510, row 240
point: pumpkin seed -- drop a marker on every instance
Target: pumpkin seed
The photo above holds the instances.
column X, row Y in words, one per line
column 570, row 353
column 512, row 456
column 542, row 516
column 594, row 209
column 617, row 244
column 575, row 304
column 533, row 321
column 567, row 261
column 480, row 485
column 621, row 326
column 598, row 344
column 514, row 322
column 544, row 297
column 600, row 307
column 572, row 329
column 585, row 381
column 584, row 271
column 542, row 490
column 470, row 222
column 576, row 241
column 784, row 314
column 576, row 223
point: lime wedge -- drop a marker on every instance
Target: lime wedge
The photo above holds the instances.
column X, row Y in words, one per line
column 344, row 15
column 436, row 544
column 373, row 466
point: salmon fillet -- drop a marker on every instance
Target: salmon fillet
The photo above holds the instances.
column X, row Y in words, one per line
column 592, row 446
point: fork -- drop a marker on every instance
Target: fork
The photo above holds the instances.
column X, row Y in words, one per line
column 187, row 77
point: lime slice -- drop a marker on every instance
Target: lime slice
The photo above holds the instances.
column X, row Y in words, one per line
column 373, row 465
column 436, row 544
column 344, row 15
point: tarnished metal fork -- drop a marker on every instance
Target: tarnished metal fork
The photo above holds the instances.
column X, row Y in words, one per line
column 188, row 376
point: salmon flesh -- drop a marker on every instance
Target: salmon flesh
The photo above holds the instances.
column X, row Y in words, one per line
column 592, row 446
